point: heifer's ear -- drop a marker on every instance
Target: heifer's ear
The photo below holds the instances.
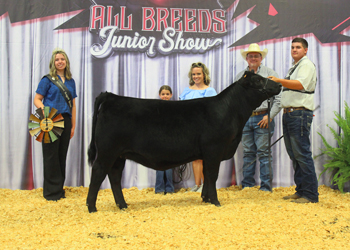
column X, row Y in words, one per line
column 246, row 79
column 246, row 74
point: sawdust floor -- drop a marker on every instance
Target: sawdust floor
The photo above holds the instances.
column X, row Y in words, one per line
column 247, row 219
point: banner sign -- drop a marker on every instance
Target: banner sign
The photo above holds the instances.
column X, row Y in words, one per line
column 164, row 26
column 156, row 30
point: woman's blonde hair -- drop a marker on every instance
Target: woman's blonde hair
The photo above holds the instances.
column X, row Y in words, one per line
column 53, row 71
column 205, row 71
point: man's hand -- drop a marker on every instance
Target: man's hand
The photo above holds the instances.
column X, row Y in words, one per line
column 264, row 122
column 273, row 78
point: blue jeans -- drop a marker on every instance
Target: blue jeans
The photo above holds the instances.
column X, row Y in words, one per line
column 255, row 141
column 296, row 131
column 164, row 181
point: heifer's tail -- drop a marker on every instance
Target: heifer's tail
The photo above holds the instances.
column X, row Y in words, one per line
column 92, row 148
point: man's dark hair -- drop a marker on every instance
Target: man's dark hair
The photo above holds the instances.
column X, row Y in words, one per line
column 302, row 41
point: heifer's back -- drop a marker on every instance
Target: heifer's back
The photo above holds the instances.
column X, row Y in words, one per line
column 157, row 134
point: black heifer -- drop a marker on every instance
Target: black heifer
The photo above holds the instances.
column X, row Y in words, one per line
column 164, row 134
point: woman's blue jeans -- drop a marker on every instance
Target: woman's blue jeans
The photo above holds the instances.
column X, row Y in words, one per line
column 296, row 131
column 255, row 141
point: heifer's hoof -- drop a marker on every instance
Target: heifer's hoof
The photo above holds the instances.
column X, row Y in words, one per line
column 124, row 206
column 217, row 203
column 92, row 209
column 206, row 199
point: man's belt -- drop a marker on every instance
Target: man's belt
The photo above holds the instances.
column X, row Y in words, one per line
column 291, row 109
column 259, row 113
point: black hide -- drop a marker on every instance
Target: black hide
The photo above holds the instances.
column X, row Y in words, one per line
column 164, row 134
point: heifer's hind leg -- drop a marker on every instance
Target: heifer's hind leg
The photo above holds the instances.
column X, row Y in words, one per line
column 211, row 172
column 115, row 178
column 98, row 174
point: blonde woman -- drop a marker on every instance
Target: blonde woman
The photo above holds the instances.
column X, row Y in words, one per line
column 199, row 88
column 49, row 93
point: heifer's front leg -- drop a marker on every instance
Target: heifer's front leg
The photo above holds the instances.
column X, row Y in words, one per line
column 115, row 178
column 97, row 177
column 211, row 172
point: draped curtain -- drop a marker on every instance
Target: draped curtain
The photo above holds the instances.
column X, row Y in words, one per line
column 25, row 51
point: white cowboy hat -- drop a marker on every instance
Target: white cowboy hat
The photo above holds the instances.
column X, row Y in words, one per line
column 254, row 47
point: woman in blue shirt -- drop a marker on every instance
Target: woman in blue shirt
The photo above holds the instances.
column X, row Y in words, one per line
column 199, row 88
column 55, row 153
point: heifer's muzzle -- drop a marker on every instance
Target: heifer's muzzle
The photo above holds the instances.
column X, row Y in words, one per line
column 264, row 89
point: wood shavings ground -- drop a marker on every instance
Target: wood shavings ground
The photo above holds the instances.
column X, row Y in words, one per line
column 247, row 219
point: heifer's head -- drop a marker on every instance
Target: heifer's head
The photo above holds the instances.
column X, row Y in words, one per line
column 262, row 86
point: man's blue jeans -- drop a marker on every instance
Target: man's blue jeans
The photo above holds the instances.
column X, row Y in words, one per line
column 296, row 131
column 255, row 141
column 164, row 181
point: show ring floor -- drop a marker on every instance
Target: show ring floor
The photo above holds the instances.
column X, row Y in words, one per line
column 247, row 219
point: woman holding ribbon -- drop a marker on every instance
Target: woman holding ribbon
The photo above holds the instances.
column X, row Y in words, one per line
column 57, row 90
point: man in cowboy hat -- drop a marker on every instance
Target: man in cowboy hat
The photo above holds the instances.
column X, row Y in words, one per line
column 255, row 138
column 298, row 103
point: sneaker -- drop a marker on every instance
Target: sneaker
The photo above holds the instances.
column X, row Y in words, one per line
column 194, row 189
column 199, row 190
